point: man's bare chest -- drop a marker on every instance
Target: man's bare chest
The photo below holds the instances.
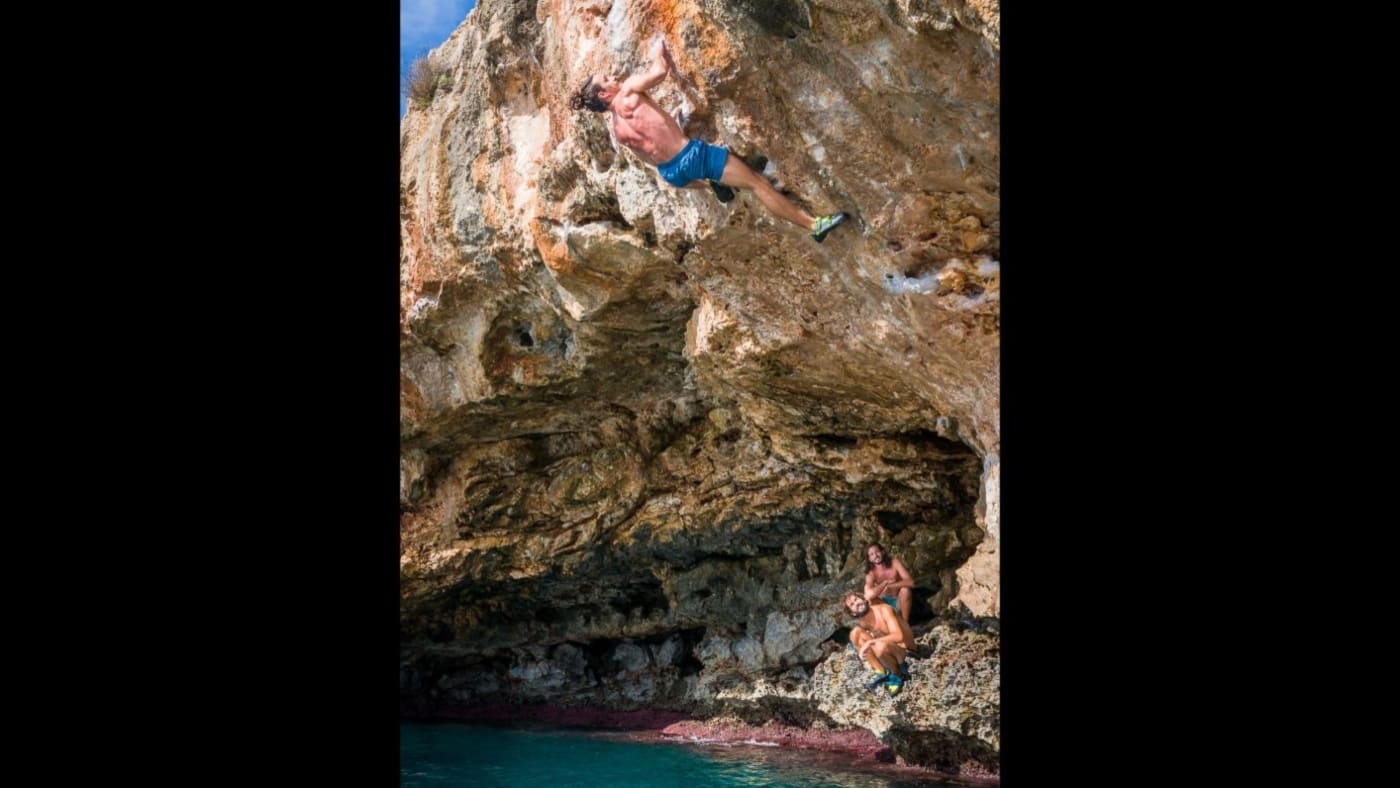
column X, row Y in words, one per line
column 885, row 573
column 873, row 628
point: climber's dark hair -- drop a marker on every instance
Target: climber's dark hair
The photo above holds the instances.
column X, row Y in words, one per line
column 586, row 97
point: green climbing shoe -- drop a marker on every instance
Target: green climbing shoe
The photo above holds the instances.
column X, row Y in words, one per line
column 825, row 224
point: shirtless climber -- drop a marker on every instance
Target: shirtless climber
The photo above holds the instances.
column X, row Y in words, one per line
column 882, row 638
column 640, row 124
column 888, row 579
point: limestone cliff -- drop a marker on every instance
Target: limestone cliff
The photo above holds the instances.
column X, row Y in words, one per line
column 646, row 435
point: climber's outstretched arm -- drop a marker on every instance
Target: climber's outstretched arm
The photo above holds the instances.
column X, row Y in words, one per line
column 660, row 65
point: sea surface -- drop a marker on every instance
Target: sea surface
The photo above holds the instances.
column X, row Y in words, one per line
column 443, row 754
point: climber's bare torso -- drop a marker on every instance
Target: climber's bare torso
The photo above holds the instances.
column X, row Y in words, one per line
column 640, row 124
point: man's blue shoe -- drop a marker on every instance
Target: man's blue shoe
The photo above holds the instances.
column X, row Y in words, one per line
column 894, row 684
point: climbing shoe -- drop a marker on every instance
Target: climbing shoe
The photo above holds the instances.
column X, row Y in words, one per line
column 904, row 670
column 722, row 192
column 757, row 162
column 825, row 224
column 894, row 684
column 880, row 679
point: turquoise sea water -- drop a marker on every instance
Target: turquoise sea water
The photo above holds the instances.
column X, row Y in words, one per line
column 445, row 754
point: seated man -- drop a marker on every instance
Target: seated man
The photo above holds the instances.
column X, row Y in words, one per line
column 882, row 639
column 887, row 578
column 639, row 123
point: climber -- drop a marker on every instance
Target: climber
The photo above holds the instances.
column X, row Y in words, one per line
column 885, row 574
column 882, row 639
column 640, row 124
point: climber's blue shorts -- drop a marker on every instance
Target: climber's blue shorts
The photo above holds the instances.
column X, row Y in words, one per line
column 696, row 161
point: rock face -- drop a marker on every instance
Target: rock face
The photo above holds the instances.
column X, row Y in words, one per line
column 647, row 435
column 949, row 713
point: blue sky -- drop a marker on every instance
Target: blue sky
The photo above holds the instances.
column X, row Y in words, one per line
column 424, row 24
